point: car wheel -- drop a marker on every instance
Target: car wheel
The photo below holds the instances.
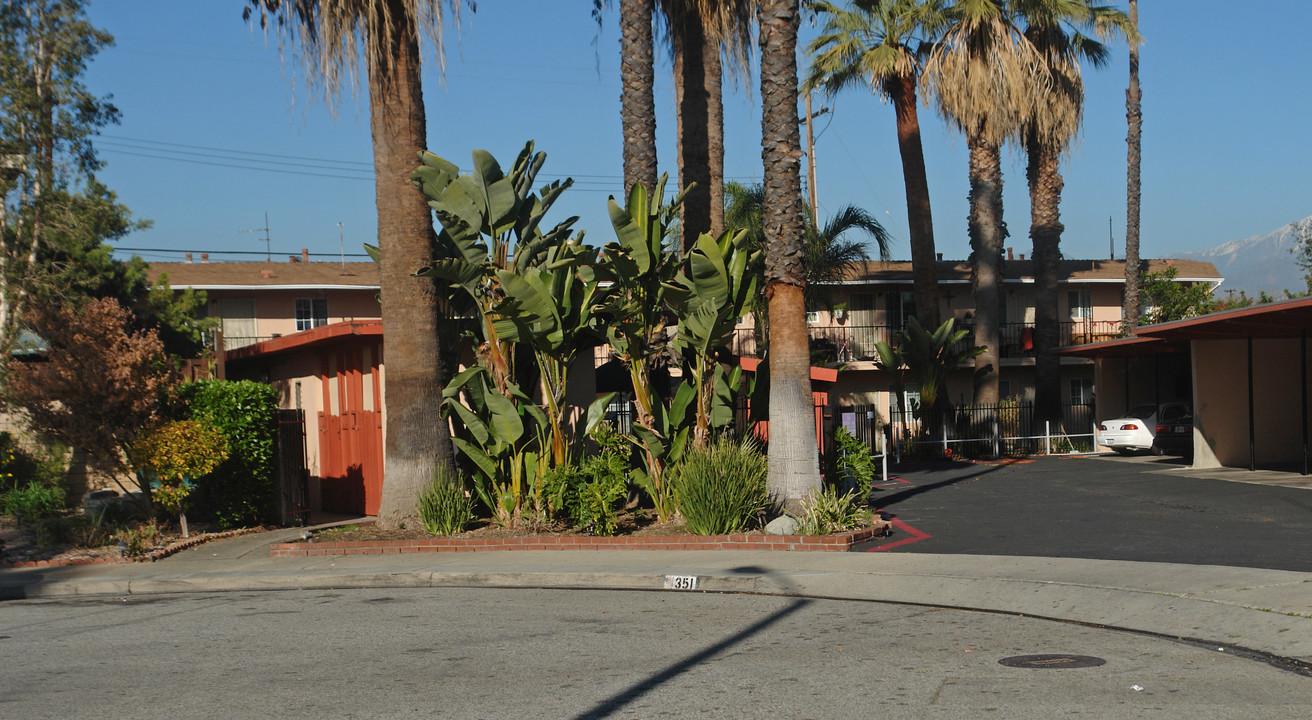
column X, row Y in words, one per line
column 1155, row 450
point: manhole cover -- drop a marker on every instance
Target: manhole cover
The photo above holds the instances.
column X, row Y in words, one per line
column 1043, row 662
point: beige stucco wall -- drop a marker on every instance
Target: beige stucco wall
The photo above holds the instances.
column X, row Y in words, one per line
column 1221, row 430
column 275, row 310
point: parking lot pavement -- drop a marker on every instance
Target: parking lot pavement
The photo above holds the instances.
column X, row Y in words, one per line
column 1087, row 507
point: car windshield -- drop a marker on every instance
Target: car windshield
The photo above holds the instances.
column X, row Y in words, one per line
column 1143, row 411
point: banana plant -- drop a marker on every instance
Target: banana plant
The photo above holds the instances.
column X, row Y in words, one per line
column 492, row 222
column 640, row 266
column 710, row 293
column 498, row 438
column 553, row 307
column 491, row 230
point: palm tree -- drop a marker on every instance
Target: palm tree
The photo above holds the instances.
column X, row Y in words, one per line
column 333, row 37
column 697, row 31
column 1054, row 28
column 883, row 42
column 638, row 108
column 794, row 460
column 1134, row 154
column 984, row 76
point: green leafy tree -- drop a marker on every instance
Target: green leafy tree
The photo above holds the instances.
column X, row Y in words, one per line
column 1163, row 298
column 55, row 217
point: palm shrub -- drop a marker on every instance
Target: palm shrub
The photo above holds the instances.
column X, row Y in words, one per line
column 444, row 506
column 721, row 488
column 854, row 470
column 828, row 512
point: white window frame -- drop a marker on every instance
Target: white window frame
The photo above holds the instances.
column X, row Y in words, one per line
column 1083, row 388
column 308, row 315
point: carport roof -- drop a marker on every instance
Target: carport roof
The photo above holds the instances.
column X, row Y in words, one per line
column 1285, row 319
column 1124, row 347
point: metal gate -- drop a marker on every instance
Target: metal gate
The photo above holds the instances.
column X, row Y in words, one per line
column 293, row 476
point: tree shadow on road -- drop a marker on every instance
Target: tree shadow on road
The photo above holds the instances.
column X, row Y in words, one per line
column 959, row 472
column 618, row 701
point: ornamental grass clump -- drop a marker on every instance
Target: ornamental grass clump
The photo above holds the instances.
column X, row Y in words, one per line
column 828, row 512
column 444, row 507
column 721, row 488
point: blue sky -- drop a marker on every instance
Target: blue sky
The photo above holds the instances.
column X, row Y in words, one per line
column 219, row 129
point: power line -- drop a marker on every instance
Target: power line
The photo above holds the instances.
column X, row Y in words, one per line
column 230, row 252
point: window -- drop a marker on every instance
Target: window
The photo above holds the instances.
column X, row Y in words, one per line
column 1082, row 391
column 910, row 400
column 1080, row 303
column 311, row 313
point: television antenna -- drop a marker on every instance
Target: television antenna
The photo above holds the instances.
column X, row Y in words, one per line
column 268, row 244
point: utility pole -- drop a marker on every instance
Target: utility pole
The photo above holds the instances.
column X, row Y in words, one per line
column 342, row 240
column 268, row 244
column 810, row 159
column 1111, row 243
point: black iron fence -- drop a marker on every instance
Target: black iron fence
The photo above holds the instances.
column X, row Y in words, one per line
column 1005, row 429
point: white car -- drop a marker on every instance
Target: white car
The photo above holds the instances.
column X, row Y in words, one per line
column 1137, row 432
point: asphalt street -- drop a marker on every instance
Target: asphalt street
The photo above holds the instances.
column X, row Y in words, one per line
column 1081, row 507
column 522, row 653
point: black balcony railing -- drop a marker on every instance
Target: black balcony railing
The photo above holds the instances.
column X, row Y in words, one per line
column 853, row 343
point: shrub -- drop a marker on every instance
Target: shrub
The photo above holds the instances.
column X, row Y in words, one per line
column 444, row 507
column 138, row 540
column 588, row 492
column 721, row 488
column 828, row 512
column 241, row 490
column 34, row 502
column 854, row 470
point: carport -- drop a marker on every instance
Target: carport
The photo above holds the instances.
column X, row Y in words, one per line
column 1250, row 378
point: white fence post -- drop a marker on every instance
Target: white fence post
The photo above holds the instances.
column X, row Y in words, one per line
column 945, row 438
column 997, row 440
column 1047, row 437
column 883, row 440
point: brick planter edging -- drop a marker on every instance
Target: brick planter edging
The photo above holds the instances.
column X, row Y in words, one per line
column 152, row 556
column 824, row 543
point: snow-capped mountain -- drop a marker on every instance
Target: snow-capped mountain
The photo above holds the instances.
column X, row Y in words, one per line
column 1260, row 262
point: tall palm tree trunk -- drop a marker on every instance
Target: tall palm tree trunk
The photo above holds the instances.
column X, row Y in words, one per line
column 1046, row 183
column 694, row 146
column 637, row 103
column 1134, row 118
column 794, row 460
column 714, row 135
column 418, row 439
column 920, row 221
column 987, row 234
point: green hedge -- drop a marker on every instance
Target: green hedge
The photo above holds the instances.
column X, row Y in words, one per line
column 241, row 491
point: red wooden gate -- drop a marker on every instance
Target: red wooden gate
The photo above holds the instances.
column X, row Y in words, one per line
column 351, row 431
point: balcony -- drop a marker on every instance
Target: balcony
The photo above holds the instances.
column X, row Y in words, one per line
column 855, row 343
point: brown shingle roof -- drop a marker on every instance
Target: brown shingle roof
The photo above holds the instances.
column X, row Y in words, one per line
column 267, row 274
column 1018, row 270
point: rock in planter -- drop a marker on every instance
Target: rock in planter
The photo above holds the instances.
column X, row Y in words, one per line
column 782, row 525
